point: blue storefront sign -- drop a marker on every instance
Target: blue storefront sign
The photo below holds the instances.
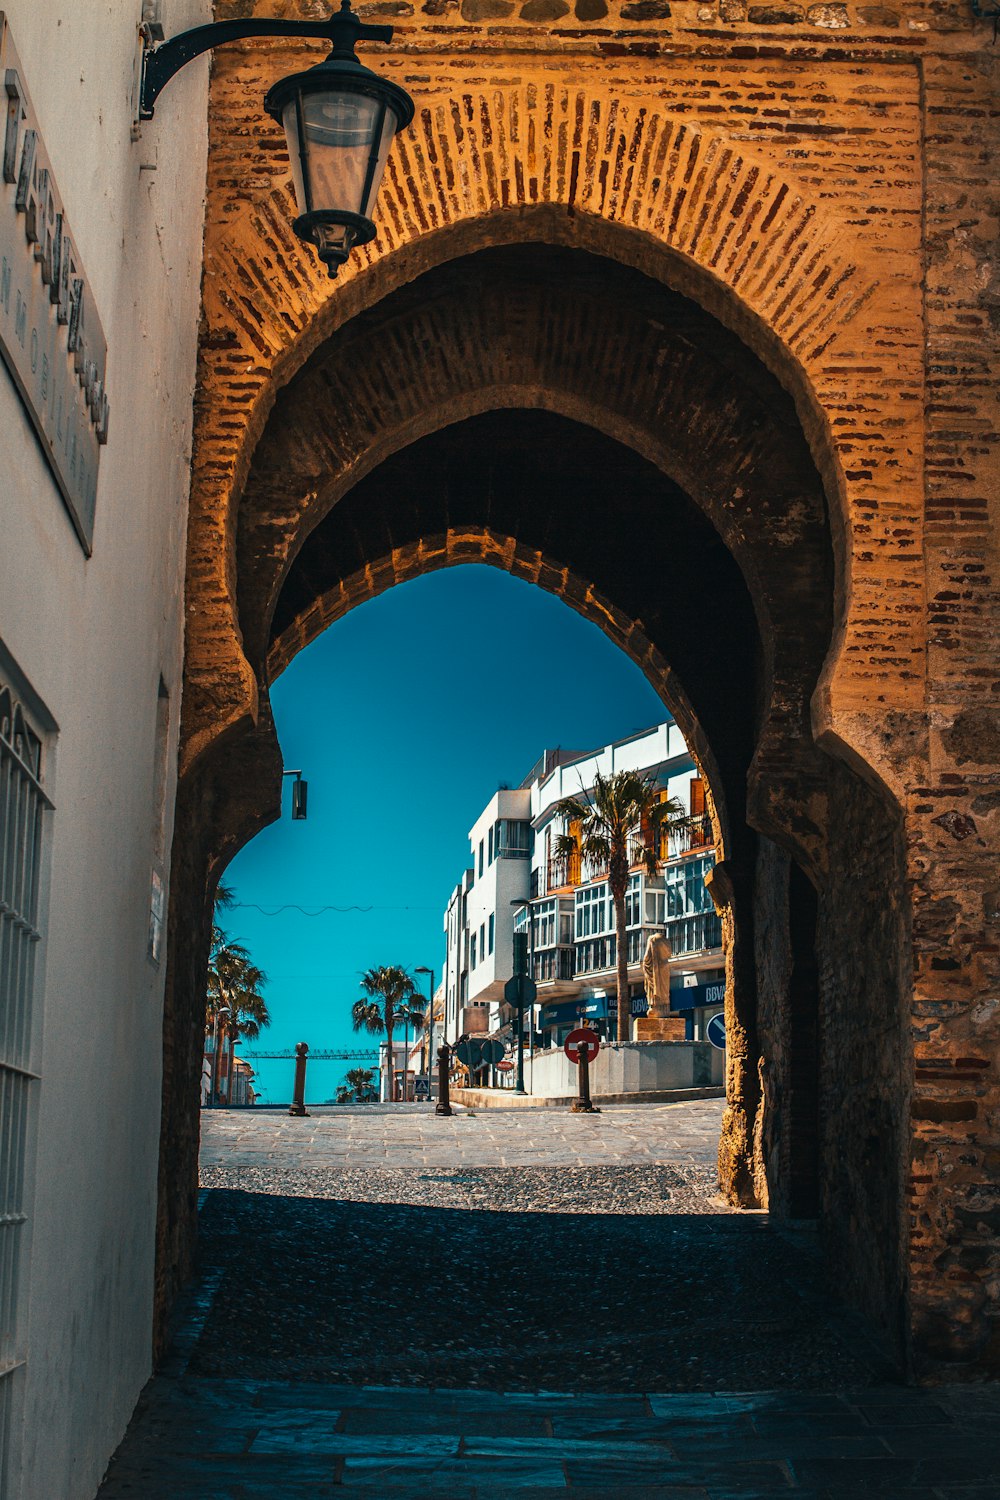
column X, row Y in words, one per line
column 693, row 997
column 568, row 1012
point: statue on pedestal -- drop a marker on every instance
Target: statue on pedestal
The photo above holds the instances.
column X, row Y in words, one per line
column 656, row 976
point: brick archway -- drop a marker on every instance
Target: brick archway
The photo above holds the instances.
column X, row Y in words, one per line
column 556, row 161
column 533, row 332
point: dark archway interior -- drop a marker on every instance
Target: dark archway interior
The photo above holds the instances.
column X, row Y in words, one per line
column 624, row 442
column 569, row 492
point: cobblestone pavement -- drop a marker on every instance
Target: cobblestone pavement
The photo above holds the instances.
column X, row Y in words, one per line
column 393, row 1135
column 383, row 1313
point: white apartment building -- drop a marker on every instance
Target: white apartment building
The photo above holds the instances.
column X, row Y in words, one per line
column 572, row 938
column 479, row 919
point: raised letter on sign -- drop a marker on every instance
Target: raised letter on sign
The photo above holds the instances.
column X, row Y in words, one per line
column 75, row 342
column 15, row 114
column 25, row 178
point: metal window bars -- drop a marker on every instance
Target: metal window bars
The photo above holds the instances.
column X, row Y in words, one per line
column 22, row 805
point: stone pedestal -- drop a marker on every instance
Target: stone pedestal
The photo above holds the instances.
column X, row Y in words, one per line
column 659, row 1029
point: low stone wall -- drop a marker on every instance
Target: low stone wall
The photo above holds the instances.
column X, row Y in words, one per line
column 507, row 1099
column 629, row 1068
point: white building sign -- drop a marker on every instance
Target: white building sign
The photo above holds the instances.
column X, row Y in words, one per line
column 50, row 334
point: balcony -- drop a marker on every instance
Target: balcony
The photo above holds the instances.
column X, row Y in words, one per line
column 554, row 964
column 561, row 871
column 686, row 840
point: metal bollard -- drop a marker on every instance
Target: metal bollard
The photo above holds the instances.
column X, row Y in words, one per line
column 298, row 1104
column 583, row 1105
column 443, row 1106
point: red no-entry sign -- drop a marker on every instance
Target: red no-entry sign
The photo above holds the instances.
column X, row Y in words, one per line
column 582, row 1037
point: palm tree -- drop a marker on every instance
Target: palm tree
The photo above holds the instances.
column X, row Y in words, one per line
column 358, row 1082
column 390, row 992
column 623, row 809
column 233, row 991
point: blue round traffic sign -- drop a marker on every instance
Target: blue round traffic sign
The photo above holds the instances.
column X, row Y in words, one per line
column 716, row 1030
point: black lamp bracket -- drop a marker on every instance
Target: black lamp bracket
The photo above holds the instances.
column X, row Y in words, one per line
column 343, row 30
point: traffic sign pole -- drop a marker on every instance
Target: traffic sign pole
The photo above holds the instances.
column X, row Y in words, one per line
column 520, row 992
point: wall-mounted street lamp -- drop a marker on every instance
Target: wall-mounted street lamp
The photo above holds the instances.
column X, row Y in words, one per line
column 339, row 120
column 300, row 796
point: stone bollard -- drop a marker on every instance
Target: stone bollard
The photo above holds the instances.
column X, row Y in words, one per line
column 298, row 1104
column 443, row 1106
column 583, row 1105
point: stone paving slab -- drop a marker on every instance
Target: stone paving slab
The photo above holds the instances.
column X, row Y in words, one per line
column 430, row 1443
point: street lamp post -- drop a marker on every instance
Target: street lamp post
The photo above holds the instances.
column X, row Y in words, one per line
column 430, row 1031
column 339, row 120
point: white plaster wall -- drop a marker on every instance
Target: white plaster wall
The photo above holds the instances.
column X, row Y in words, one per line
column 93, row 637
column 502, row 882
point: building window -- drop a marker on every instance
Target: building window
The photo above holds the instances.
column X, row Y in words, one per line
column 596, row 955
column 492, row 930
column 490, row 854
column 482, row 942
column 545, row 924
column 480, row 859
column 22, row 807
column 593, row 911
column 513, row 839
column 472, row 952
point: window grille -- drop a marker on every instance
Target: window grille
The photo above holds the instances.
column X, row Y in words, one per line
column 22, row 804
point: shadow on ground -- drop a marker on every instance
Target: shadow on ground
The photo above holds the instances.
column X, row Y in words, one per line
column 394, row 1293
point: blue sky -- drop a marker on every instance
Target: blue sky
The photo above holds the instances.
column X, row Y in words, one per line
column 405, row 716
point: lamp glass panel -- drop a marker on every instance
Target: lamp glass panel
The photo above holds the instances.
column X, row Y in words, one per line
column 390, row 125
column 339, row 130
column 290, row 123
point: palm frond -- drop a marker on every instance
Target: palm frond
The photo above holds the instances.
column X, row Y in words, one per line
column 597, row 849
column 225, row 896
column 572, row 809
column 366, row 1016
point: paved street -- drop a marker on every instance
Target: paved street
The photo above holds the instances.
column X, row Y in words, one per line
column 521, row 1303
column 389, row 1135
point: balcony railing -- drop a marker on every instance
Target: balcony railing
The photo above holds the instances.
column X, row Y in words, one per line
column 698, row 835
column 562, row 870
column 554, row 963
